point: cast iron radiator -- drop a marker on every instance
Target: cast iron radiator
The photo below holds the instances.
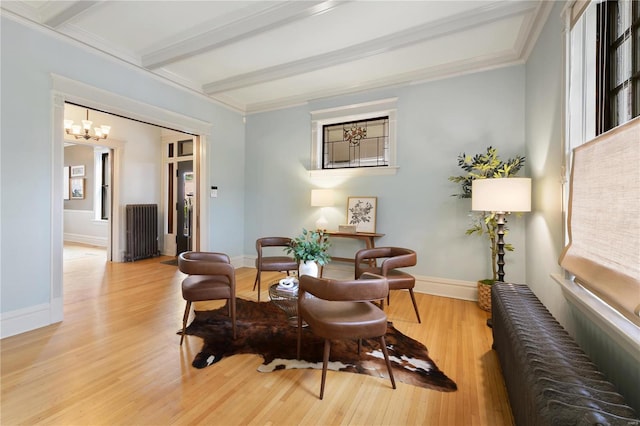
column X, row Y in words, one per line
column 142, row 231
column 549, row 379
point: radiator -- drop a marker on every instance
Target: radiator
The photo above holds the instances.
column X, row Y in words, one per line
column 142, row 231
column 549, row 378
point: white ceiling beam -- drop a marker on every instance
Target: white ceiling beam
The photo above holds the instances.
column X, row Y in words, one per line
column 431, row 30
column 55, row 14
column 447, row 70
column 240, row 29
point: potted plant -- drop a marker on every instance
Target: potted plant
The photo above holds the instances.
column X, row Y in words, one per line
column 482, row 166
column 310, row 249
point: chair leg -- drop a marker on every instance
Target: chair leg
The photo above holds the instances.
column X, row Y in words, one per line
column 415, row 305
column 325, row 362
column 255, row 282
column 383, row 346
column 299, row 336
column 185, row 317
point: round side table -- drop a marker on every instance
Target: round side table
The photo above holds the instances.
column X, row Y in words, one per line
column 287, row 300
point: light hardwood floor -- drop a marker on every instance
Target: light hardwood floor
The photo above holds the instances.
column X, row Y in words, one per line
column 115, row 360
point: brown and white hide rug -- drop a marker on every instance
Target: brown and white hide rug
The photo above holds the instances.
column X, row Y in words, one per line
column 263, row 329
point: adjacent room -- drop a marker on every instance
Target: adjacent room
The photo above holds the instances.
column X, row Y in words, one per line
column 320, row 212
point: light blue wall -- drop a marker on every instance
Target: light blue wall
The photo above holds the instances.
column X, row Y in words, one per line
column 29, row 57
column 544, row 229
column 436, row 121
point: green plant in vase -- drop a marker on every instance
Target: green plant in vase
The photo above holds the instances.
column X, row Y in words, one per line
column 483, row 166
column 310, row 248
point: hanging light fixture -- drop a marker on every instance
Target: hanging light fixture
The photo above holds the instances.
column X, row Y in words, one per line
column 76, row 129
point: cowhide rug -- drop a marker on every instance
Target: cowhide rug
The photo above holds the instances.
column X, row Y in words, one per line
column 263, row 329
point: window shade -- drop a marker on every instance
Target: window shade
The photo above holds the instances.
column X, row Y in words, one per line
column 604, row 218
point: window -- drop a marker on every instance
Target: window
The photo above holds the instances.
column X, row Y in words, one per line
column 355, row 139
column 356, row 144
column 618, row 63
column 602, row 222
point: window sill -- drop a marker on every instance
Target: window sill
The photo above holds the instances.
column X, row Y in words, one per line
column 621, row 330
column 363, row 171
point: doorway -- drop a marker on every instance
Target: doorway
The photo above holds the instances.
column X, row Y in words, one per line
column 65, row 90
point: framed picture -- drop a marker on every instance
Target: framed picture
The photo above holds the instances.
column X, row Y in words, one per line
column 77, row 188
column 361, row 212
column 77, row 171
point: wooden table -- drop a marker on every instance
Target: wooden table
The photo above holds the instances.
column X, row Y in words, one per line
column 367, row 237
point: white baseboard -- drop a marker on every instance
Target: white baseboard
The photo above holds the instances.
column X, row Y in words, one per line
column 445, row 287
column 27, row 319
column 456, row 289
column 85, row 239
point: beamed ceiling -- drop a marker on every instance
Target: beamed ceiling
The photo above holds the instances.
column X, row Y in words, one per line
column 260, row 55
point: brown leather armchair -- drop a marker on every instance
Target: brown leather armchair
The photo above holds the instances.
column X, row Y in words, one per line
column 272, row 263
column 343, row 310
column 392, row 258
column 211, row 277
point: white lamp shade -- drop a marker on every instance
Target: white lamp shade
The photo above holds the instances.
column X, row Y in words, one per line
column 321, row 197
column 501, row 195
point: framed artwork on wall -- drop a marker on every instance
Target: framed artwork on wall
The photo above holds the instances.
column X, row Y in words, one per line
column 77, row 171
column 361, row 212
column 77, row 188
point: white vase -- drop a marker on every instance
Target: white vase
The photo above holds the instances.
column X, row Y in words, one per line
column 309, row 267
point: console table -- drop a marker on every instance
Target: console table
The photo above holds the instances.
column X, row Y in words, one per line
column 367, row 237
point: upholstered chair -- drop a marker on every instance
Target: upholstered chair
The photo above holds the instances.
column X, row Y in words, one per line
column 391, row 258
column 343, row 310
column 211, row 276
column 264, row 262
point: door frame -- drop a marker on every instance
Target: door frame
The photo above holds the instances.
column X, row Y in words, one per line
column 64, row 90
column 169, row 246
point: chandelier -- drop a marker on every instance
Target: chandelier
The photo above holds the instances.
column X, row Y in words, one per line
column 76, row 129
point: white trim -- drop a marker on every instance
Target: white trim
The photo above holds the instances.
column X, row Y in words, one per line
column 86, row 239
column 64, row 89
column 30, row 318
column 96, row 98
column 428, row 31
column 236, row 26
column 354, row 171
column 622, row 331
column 445, row 287
column 435, row 286
column 363, row 111
column 124, row 58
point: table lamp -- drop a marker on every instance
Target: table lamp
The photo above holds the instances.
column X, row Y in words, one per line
column 501, row 196
column 321, row 198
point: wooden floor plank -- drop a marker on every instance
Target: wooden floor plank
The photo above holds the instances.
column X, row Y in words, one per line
column 116, row 359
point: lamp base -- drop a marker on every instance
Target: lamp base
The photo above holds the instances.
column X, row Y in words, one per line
column 322, row 223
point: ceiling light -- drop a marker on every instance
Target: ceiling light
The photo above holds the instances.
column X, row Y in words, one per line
column 76, row 130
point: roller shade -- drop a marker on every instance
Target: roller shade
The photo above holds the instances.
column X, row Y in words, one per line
column 604, row 218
